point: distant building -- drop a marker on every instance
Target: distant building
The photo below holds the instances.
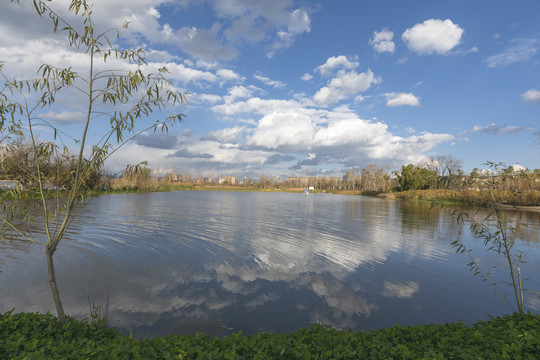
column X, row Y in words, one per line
column 518, row 168
column 230, row 180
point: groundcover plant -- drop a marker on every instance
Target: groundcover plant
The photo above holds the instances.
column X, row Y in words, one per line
column 37, row 336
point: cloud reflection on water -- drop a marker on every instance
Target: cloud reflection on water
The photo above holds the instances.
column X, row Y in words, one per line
column 254, row 261
column 400, row 290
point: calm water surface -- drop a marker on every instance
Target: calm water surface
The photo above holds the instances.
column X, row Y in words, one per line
column 221, row 262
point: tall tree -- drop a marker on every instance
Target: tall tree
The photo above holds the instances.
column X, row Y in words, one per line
column 124, row 98
column 447, row 168
column 417, row 178
column 375, row 179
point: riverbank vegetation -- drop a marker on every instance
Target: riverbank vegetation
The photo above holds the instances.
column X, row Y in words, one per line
column 36, row 336
column 500, row 184
column 21, row 159
column 414, row 182
column 468, row 197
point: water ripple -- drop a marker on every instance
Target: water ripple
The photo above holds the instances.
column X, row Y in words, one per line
column 270, row 261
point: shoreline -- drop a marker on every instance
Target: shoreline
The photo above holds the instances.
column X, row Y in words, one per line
column 505, row 200
column 444, row 197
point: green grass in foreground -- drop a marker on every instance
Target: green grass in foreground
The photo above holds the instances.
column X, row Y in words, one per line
column 36, row 336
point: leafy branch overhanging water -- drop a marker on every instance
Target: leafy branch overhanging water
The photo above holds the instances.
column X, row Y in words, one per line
column 123, row 96
column 498, row 235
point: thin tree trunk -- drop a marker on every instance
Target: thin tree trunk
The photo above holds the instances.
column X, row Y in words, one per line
column 519, row 300
column 506, row 252
column 54, row 289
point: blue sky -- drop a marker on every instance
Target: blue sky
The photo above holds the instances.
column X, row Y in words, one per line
column 290, row 87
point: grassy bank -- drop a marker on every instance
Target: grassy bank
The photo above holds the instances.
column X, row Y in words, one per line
column 35, row 336
column 470, row 197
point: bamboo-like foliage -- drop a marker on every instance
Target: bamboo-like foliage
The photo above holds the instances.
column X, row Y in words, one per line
column 498, row 235
column 132, row 94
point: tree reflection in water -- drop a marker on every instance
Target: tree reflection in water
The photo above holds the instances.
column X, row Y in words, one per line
column 221, row 262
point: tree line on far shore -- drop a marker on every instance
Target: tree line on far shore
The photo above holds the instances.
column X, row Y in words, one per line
column 19, row 160
column 435, row 173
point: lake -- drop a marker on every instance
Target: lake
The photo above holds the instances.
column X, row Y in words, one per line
column 222, row 262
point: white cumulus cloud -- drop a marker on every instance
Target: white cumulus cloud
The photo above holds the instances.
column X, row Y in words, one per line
column 336, row 62
column 210, row 98
column 239, row 92
column 433, row 36
column 307, row 77
column 227, row 135
column 228, row 75
column 399, row 99
column 337, row 136
column 382, row 41
column 532, row 95
column 298, row 22
column 344, row 85
column 64, row 117
column 186, row 74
